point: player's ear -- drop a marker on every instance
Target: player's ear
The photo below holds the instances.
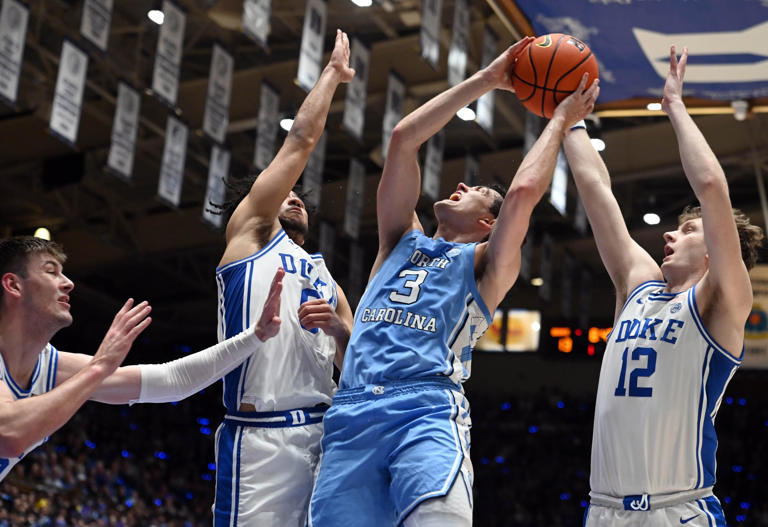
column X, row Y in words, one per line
column 486, row 224
column 11, row 283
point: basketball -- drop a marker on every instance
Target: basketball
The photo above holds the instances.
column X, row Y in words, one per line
column 550, row 69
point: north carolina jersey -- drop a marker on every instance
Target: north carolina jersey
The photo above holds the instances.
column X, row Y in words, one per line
column 420, row 315
column 294, row 368
column 661, row 382
column 43, row 380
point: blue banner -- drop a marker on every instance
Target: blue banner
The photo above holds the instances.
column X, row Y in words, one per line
column 727, row 43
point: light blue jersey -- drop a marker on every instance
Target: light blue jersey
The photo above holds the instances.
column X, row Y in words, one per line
column 419, row 317
column 43, row 380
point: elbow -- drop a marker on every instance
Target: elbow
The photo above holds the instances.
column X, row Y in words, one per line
column 710, row 183
column 401, row 135
column 529, row 188
column 302, row 136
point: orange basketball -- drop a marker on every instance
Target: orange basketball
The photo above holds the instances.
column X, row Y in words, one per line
column 550, row 69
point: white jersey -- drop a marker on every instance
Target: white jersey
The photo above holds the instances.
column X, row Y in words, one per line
column 661, row 382
column 293, row 369
column 43, row 380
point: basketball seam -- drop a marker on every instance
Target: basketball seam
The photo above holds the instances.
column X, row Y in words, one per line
column 528, row 83
column 549, row 69
column 554, row 95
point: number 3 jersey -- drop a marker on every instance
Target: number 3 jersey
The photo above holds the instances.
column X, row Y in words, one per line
column 293, row 369
column 661, row 382
column 419, row 316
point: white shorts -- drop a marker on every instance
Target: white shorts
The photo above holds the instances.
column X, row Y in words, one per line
column 703, row 512
column 264, row 476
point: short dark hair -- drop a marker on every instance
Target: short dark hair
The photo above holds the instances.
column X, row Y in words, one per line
column 496, row 205
column 750, row 236
column 15, row 252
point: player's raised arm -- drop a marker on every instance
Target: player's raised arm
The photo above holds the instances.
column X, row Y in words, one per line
column 400, row 183
column 276, row 181
column 500, row 256
column 727, row 273
column 627, row 263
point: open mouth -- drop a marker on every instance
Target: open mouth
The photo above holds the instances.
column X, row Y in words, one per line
column 64, row 300
column 456, row 196
column 668, row 251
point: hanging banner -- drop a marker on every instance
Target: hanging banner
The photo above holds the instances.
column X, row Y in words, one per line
column 170, row 45
column 756, row 330
column 545, row 270
column 174, row 155
column 357, row 90
column 356, row 280
column 216, row 189
column 311, row 52
column 484, row 114
column 457, row 52
column 312, row 184
column 256, row 15
column 216, row 117
column 585, row 300
column 125, row 127
column 68, row 94
column 433, row 166
column 393, row 110
column 95, row 22
column 471, row 170
column 566, row 286
column 558, row 189
column 327, row 242
column 13, row 30
column 430, row 31
column 354, row 209
column 266, row 132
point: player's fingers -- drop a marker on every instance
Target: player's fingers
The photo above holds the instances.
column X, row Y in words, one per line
column 138, row 329
column 683, row 62
column 137, row 314
column 125, row 308
column 672, row 59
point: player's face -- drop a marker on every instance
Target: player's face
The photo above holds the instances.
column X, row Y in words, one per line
column 685, row 247
column 46, row 290
column 470, row 203
column 293, row 213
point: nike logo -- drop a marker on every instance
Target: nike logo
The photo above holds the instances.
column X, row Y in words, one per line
column 687, row 520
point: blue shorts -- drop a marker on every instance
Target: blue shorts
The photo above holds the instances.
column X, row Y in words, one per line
column 386, row 448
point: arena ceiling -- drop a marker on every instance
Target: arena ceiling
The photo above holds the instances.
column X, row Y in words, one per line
column 123, row 242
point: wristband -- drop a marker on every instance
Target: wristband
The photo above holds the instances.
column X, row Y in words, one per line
column 580, row 124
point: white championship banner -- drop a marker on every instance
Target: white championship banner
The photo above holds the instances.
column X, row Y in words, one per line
column 13, row 30
column 216, row 189
column 429, row 37
column 312, row 181
column 125, row 127
column 256, row 15
column 357, row 90
column 68, row 94
column 172, row 167
column 756, row 330
column 433, row 166
column 216, row 117
column 95, row 22
column 558, row 189
column 170, row 46
column 354, row 207
column 393, row 111
column 311, row 51
column 457, row 52
column 485, row 102
column 471, row 170
column 266, row 132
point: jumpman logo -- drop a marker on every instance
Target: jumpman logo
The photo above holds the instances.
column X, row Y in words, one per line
column 689, row 519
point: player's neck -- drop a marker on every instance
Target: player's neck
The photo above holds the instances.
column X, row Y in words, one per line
column 21, row 341
column 681, row 281
column 454, row 235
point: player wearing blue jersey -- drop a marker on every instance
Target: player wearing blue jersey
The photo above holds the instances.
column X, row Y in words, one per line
column 268, row 446
column 396, row 444
column 677, row 337
column 42, row 387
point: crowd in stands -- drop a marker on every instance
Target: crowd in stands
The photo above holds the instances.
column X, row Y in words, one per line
column 152, row 465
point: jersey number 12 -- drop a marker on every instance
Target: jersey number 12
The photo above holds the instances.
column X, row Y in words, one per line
column 636, row 373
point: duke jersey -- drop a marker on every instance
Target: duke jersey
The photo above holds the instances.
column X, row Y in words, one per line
column 419, row 316
column 661, row 382
column 294, row 368
column 43, row 380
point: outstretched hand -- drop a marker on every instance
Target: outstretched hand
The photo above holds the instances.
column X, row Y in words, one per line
column 269, row 322
column 501, row 68
column 126, row 326
column 580, row 103
column 340, row 57
column 673, row 89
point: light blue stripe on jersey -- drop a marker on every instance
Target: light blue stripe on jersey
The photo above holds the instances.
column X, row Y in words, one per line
column 717, row 369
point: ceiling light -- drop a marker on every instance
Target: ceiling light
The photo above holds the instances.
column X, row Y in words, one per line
column 466, row 114
column 651, row 218
column 740, row 109
column 654, row 106
column 156, row 16
column 598, row 144
column 362, row 3
column 43, row 233
column 286, row 124
column 536, row 282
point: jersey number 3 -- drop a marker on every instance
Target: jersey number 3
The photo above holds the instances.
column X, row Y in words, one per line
column 413, row 286
column 636, row 373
